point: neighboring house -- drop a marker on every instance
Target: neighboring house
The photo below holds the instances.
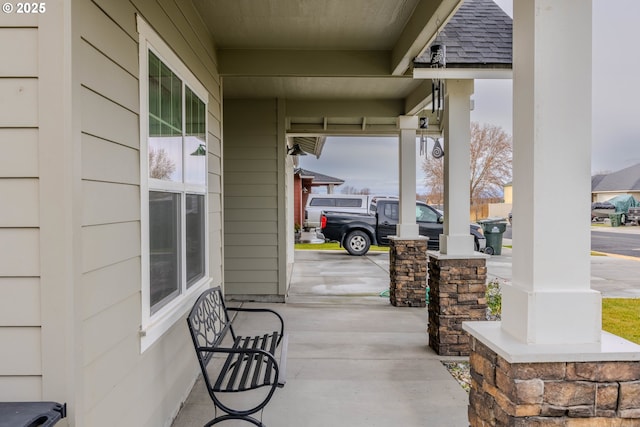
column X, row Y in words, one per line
column 303, row 182
column 624, row 181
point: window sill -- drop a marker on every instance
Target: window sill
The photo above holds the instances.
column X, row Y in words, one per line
column 173, row 312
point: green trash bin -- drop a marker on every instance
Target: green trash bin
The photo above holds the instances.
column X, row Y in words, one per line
column 616, row 219
column 493, row 230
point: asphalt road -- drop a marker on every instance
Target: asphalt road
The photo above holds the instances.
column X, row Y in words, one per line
column 619, row 242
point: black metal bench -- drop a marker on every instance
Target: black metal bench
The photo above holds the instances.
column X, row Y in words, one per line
column 247, row 362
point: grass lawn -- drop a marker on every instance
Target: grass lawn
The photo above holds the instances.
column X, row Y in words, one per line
column 621, row 316
column 333, row 246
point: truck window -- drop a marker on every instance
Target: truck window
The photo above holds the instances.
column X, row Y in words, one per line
column 424, row 214
column 348, row 203
column 391, row 211
column 319, row 201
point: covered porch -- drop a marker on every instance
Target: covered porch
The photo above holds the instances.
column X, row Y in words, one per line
column 353, row 360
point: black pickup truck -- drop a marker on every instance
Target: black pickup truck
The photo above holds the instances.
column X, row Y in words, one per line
column 356, row 232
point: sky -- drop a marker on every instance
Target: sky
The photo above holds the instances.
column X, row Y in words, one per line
column 615, row 123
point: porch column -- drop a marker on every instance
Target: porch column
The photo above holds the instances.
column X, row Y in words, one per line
column 456, row 239
column 408, row 250
column 548, row 362
column 457, row 275
column 550, row 300
column 407, row 226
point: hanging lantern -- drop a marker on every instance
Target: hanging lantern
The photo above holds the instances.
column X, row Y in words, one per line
column 438, row 56
column 438, row 59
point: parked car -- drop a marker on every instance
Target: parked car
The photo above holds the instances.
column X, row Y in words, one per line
column 633, row 215
column 357, row 232
column 316, row 203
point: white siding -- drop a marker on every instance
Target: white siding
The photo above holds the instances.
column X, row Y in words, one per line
column 19, row 301
column 70, row 279
column 252, row 198
column 19, row 97
column 146, row 388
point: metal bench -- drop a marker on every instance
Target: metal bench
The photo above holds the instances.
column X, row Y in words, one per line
column 247, row 362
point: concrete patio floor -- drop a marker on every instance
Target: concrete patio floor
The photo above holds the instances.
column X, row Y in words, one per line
column 355, row 360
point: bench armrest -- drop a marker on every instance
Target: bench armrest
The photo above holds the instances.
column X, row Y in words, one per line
column 262, row 310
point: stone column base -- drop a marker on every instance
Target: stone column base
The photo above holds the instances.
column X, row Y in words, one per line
column 457, row 293
column 549, row 393
column 408, row 272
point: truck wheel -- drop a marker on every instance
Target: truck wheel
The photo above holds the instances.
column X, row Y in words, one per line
column 357, row 243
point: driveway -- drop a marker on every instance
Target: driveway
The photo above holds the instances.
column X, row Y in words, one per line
column 336, row 277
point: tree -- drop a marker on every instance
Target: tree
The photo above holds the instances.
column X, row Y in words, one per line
column 490, row 168
column 160, row 165
column 349, row 189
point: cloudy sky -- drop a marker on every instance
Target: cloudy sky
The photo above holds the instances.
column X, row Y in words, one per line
column 616, row 109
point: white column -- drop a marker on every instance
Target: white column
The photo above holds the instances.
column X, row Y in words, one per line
column 407, row 227
column 550, row 300
column 456, row 239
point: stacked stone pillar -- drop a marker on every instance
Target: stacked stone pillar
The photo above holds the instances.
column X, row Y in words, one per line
column 457, row 293
column 408, row 272
column 503, row 394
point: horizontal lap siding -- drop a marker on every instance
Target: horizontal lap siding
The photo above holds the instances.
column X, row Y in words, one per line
column 20, row 320
column 146, row 388
column 251, row 197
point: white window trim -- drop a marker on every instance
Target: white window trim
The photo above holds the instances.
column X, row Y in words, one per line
column 153, row 326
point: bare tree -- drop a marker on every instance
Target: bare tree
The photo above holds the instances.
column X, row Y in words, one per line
column 349, row 189
column 491, row 165
column 160, row 165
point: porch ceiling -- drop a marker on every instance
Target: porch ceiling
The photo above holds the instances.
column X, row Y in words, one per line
column 339, row 62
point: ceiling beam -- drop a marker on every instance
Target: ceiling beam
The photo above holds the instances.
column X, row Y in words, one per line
column 427, row 19
column 418, row 99
column 260, row 62
column 345, row 108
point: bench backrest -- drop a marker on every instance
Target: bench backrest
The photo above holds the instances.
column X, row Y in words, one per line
column 208, row 323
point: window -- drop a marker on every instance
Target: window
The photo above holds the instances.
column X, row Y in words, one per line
column 173, row 185
column 391, row 211
column 348, row 203
column 322, row 202
column 425, row 214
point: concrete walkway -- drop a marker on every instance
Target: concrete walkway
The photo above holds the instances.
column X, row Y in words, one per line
column 355, row 360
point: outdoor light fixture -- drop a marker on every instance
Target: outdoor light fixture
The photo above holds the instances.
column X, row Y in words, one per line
column 296, row 151
column 200, row 151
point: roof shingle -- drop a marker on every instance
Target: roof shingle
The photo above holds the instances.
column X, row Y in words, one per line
column 478, row 35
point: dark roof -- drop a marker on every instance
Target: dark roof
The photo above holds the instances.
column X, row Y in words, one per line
column 627, row 179
column 318, row 178
column 479, row 35
column 595, row 180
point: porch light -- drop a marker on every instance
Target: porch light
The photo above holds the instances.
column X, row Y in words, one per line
column 200, row 151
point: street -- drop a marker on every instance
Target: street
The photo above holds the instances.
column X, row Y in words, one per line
column 620, row 240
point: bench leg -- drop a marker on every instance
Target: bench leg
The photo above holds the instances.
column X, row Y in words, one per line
column 234, row 417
